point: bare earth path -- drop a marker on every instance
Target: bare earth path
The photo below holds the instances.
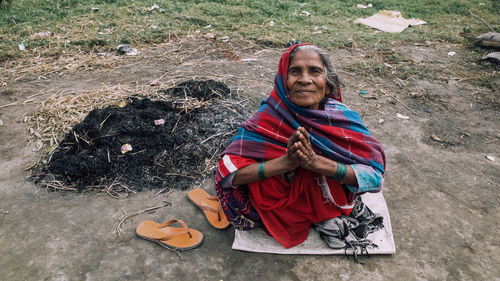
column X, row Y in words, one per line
column 443, row 197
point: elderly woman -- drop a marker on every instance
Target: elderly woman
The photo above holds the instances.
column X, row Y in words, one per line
column 302, row 158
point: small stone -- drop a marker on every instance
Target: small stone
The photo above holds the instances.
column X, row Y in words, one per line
column 224, row 39
column 127, row 50
column 436, row 138
column 380, row 120
column 210, row 36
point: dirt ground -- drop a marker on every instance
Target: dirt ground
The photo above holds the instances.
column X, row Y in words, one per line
column 443, row 196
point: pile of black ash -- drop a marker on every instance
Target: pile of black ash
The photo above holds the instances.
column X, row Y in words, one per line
column 175, row 154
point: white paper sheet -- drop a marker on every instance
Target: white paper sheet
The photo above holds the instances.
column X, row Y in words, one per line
column 389, row 21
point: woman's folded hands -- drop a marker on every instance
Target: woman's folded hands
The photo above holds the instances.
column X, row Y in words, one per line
column 299, row 150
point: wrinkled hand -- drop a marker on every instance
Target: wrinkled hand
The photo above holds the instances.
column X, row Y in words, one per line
column 291, row 150
column 305, row 152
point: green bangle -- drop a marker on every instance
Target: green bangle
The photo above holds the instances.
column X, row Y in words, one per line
column 260, row 169
column 340, row 173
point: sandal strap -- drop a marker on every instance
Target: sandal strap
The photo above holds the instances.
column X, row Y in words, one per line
column 163, row 236
column 210, row 209
column 212, row 197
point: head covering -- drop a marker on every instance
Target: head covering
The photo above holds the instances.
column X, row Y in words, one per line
column 283, row 71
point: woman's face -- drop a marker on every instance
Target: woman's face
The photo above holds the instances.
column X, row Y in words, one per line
column 306, row 79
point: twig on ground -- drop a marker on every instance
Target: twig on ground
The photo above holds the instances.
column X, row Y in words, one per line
column 483, row 21
column 392, row 96
column 17, row 103
column 178, row 175
column 175, row 126
column 212, row 136
column 163, row 189
column 490, row 141
column 119, row 228
column 346, row 72
column 176, row 250
column 102, row 123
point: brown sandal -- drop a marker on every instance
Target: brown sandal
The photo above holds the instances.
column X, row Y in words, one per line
column 179, row 238
column 210, row 206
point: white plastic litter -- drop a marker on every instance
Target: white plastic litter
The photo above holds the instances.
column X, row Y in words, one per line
column 389, row 21
column 305, row 13
column 401, row 116
column 490, row 157
column 21, row 47
column 41, row 34
column 451, row 54
column 153, row 8
column 159, row 122
column 271, row 23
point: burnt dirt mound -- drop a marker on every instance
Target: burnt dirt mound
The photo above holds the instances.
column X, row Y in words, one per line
column 169, row 146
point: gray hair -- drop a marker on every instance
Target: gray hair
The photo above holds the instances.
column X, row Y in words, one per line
column 332, row 79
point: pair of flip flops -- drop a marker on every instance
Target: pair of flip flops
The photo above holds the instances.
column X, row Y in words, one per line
column 185, row 238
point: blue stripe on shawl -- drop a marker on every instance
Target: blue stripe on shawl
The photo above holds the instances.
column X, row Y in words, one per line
column 377, row 165
column 248, row 135
column 355, row 118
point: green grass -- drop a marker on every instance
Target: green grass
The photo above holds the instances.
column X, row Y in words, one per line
column 73, row 24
